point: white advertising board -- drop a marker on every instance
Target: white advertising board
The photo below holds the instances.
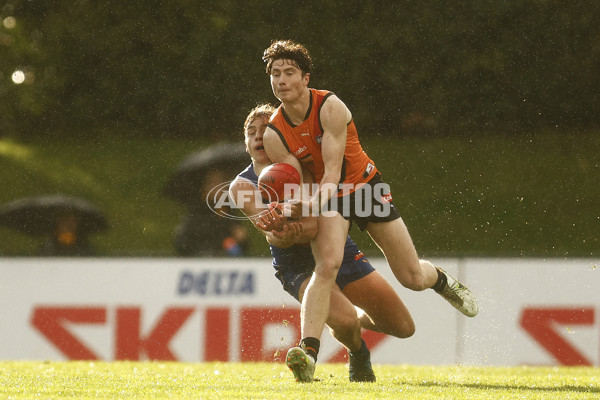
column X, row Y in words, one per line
column 532, row 312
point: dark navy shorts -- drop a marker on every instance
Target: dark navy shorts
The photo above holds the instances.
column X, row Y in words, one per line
column 293, row 265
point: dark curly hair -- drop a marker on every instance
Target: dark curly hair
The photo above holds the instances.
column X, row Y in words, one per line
column 288, row 50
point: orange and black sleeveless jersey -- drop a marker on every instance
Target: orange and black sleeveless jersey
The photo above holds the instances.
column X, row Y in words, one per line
column 304, row 142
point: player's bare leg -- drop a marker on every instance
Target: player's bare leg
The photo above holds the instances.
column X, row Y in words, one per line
column 394, row 241
column 380, row 307
column 342, row 319
column 345, row 326
column 328, row 251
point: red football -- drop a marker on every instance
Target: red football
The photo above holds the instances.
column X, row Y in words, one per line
column 273, row 179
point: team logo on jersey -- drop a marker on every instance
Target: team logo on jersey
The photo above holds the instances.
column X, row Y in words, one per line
column 386, row 198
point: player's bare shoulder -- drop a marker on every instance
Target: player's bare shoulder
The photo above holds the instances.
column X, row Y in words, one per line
column 269, row 131
column 335, row 111
column 273, row 144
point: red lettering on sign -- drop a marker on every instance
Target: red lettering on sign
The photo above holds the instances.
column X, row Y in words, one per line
column 50, row 321
column 129, row 342
column 539, row 323
column 216, row 335
column 253, row 323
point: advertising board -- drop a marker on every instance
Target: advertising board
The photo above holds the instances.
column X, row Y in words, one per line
column 532, row 312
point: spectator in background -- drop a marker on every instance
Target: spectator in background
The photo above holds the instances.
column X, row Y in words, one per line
column 66, row 239
column 65, row 222
column 204, row 233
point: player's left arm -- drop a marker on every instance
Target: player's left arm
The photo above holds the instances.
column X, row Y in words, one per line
column 334, row 118
column 245, row 196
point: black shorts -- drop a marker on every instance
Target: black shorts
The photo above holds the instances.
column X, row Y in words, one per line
column 372, row 202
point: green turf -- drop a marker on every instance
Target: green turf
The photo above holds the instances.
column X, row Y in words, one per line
column 124, row 177
column 465, row 195
column 155, row 380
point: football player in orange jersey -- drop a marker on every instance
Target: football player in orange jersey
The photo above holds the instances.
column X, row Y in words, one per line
column 357, row 282
column 314, row 129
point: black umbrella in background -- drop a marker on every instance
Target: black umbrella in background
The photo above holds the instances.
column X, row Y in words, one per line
column 186, row 182
column 38, row 215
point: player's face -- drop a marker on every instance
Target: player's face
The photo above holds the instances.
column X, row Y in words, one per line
column 254, row 139
column 287, row 80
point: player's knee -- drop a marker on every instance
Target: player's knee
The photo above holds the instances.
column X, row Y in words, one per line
column 415, row 278
column 327, row 269
column 401, row 328
column 344, row 326
column 350, row 323
column 414, row 281
column 407, row 329
column 424, row 264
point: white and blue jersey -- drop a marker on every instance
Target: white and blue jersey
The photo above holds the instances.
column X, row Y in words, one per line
column 295, row 264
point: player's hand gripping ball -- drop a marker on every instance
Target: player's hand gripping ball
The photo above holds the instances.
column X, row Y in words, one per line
column 275, row 179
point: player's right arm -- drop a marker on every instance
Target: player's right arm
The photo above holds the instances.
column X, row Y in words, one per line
column 277, row 152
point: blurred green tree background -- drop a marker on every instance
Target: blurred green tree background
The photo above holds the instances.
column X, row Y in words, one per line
column 186, row 67
column 483, row 105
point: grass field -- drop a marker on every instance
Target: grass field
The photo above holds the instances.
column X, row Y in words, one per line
column 154, row 380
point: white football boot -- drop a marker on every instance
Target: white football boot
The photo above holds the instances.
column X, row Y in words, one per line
column 459, row 296
column 301, row 364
